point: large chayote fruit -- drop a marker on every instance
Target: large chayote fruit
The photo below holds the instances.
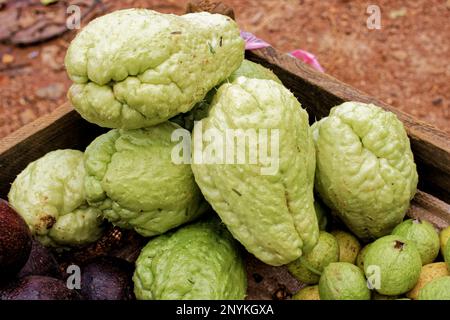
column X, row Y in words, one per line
column 196, row 262
column 49, row 194
column 268, row 205
column 135, row 68
column 365, row 168
column 131, row 177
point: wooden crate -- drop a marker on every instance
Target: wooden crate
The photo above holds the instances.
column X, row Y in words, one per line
column 317, row 92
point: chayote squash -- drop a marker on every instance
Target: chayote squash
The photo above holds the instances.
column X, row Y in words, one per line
column 49, row 194
column 365, row 168
column 132, row 179
column 200, row 261
column 135, row 68
column 268, row 208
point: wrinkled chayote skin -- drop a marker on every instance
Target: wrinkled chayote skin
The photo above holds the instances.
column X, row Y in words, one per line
column 136, row 68
column 247, row 69
column 365, row 168
column 271, row 214
column 196, row 262
column 49, row 194
column 131, row 177
column 438, row 289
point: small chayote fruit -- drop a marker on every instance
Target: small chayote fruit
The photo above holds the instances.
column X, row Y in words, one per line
column 135, row 68
column 309, row 266
column 49, row 194
column 343, row 281
column 438, row 289
column 133, row 180
column 196, row 262
column 267, row 205
column 423, row 235
column 365, row 168
column 392, row 265
column 247, row 69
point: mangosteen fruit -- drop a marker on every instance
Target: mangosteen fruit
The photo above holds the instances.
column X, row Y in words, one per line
column 107, row 278
column 41, row 262
column 15, row 241
column 39, row 288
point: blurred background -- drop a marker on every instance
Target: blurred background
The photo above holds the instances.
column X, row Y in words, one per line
column 405, row 63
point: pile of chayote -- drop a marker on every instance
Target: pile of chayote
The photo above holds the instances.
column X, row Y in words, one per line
column 146, row 75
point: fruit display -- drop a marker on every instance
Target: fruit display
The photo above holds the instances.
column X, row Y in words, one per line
column 211, row 166
column 365, row 168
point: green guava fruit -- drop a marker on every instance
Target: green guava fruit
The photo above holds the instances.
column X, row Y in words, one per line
column 268, row 205
column 349, row 246
column 200, row 261
column 365, row 168
column 321, row 213
column 444, row 235
column 309, row 266
column 132, row 178
column 423, row 235
column 438, row 289
column 136, row 68
column 50, row 195
column 307, row 293
column 392, row 265
column 343, row 281
column 428, row 273
column 361, row 256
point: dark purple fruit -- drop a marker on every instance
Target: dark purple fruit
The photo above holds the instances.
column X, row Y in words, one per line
column 41, row 262
column 107, row 278
column 39, row 288
column 15, row 240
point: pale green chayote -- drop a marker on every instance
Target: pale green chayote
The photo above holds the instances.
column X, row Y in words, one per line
column 365, row 168
column 132, row 178
column 200, row 261
column 268, row 205
column 247, row 69
column 135, row 68
column 49, row 194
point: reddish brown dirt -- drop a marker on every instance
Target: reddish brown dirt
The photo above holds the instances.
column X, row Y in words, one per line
column 405, row 63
